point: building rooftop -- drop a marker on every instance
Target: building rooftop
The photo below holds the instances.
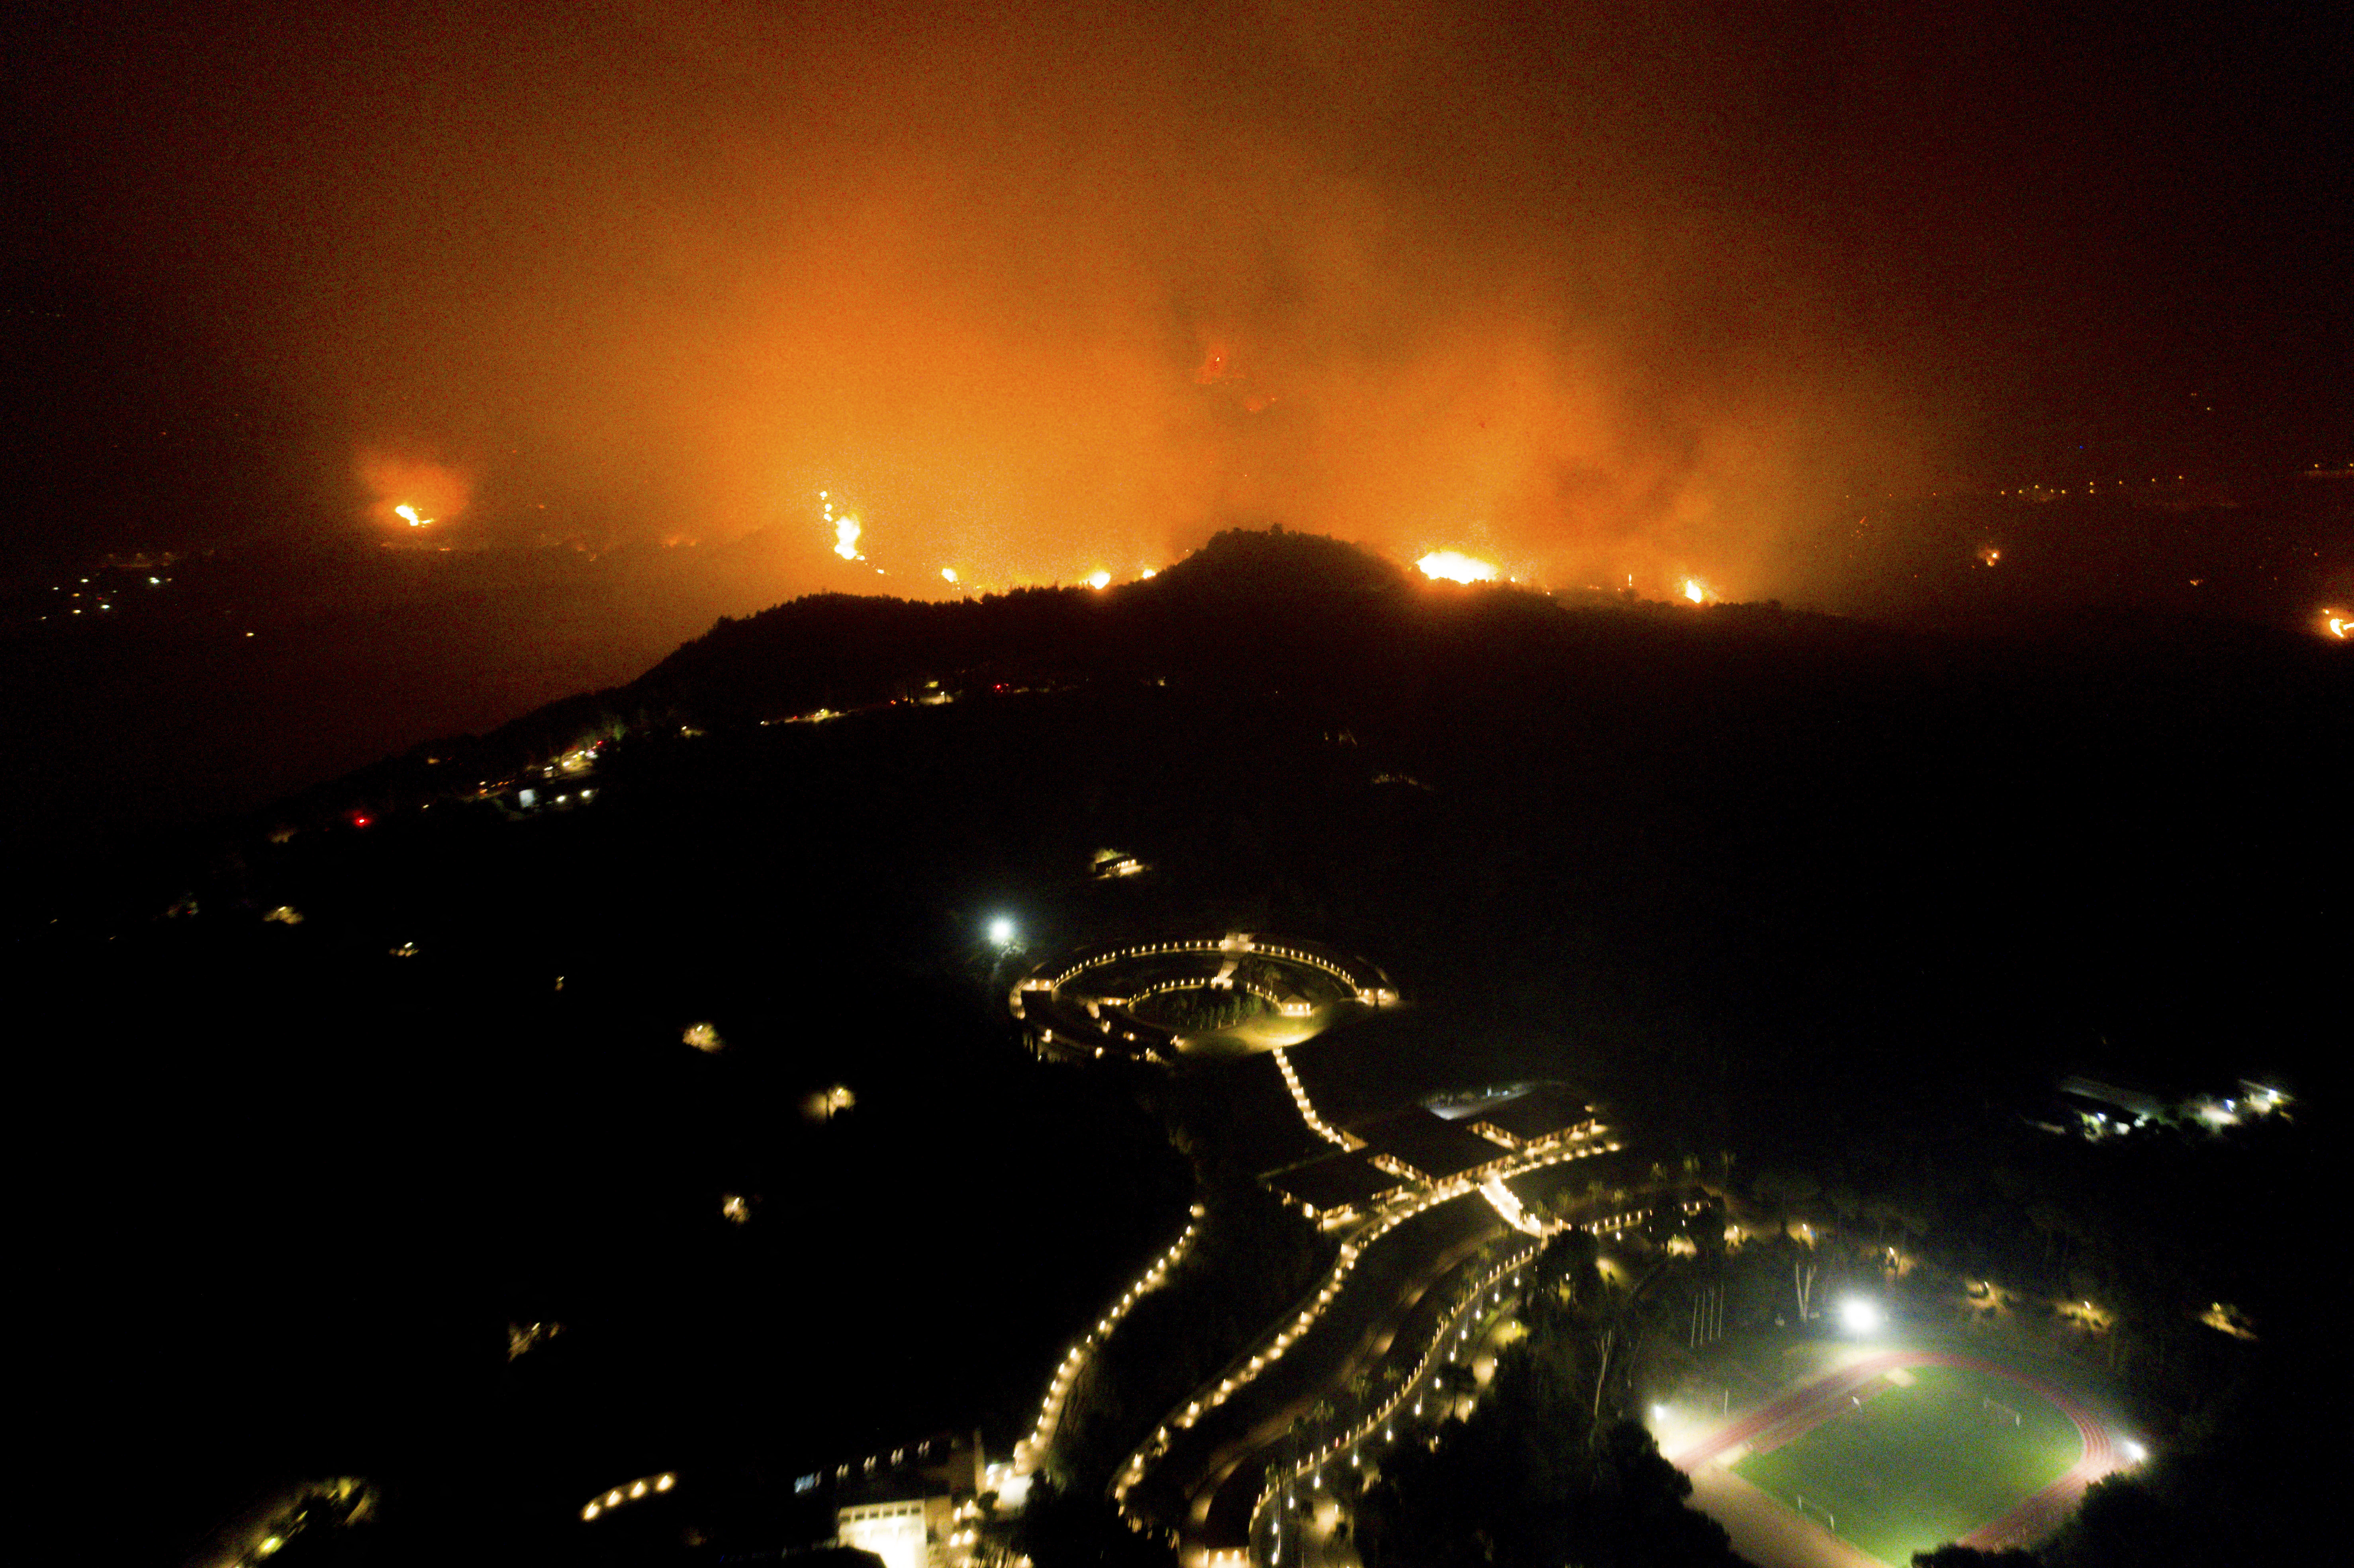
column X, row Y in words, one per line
column 1335, row 1181
column 1544, row 1109
column 1428, row 1142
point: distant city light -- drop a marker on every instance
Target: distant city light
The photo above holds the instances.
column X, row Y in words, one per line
column 1454, row 566
column 1858, row 1316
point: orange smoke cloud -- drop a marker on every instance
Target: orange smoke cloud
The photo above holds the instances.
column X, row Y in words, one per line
column 1040, row 299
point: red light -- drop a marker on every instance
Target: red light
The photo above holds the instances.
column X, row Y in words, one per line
column 361, row 819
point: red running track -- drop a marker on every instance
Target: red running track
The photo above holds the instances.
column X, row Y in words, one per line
column 1803, row 1408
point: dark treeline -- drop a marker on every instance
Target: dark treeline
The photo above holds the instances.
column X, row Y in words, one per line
column 1549, row 1466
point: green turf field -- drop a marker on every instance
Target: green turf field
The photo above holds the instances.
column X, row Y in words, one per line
column 1919, row 1466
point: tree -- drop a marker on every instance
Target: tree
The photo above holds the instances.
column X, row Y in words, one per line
column 1533, row 1481
column 1082, row 1530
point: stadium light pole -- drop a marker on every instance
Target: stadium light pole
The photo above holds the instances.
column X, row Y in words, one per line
column 1858, row 1316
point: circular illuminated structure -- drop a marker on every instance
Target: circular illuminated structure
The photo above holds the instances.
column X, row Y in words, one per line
column 1194, row 996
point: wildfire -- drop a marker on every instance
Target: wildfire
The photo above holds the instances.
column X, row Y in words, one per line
column 411, row 491
column 2337, row 625
column 1694, row 591
column 845, row 531
column 1099, row 578
column 948, row 574
column 1454, row 566
column 1989, row 556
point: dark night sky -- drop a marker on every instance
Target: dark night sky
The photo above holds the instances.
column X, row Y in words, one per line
column 1592, row 290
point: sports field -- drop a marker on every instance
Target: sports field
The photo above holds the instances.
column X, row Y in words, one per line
column 1912, row 1465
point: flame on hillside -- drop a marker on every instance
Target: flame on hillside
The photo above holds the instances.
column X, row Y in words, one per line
column 845, row 531
column 412, row 492
column 1454, row 566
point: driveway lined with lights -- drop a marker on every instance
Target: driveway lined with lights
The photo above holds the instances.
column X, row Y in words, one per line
column 1196, row 1472
column 1202, row 1479
column 1446, row 1343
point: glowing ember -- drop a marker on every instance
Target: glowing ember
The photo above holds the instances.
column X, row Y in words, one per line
column 1456, row 566
column 410, row 513
column 948, row 574
column 1099, row 579
column 1694, row 592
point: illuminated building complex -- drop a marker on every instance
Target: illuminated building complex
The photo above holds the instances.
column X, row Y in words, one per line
column 1225, row 995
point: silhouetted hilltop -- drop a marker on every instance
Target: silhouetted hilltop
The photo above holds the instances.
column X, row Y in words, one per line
column 1354, row 643
column 1245, row 563
column 840, row 651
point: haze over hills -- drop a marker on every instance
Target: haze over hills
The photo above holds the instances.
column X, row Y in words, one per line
column 1731, row 768
column 214, row 681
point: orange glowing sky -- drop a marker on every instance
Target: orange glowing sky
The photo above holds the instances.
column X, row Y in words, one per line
column 1041, row 292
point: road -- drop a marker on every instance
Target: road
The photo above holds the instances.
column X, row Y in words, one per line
column 1204, row 1483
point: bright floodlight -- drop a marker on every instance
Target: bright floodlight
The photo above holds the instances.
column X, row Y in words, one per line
column 1858, row 1316
column 1001, row 931
column 1659, row 1412
column 2134, row 1452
